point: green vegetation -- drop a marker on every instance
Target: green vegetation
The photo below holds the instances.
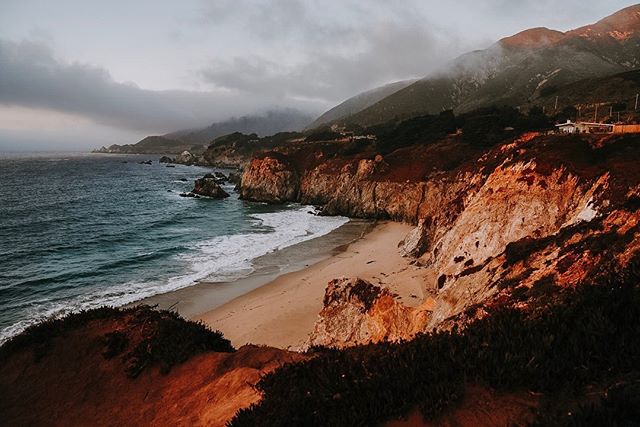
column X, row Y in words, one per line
column 419, row 130
column 484, row 127
column 489, row 126
column 323, row 135
column 149, row 337
column 587, row 337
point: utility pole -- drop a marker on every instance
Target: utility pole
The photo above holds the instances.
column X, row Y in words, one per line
column 595, row 116
column 636, row 109
column 556, row 107
column 579, row 113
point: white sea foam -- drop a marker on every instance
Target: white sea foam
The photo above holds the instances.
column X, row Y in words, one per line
column 223, row 258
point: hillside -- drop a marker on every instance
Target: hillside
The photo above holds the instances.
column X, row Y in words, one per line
column 195, row 141
column 616, row 93
column 359, row 102
column 517, row 69
column 152, row 145
column 270, row 123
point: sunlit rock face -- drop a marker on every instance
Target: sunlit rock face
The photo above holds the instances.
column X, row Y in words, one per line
column 358, row 312
column 269, row 179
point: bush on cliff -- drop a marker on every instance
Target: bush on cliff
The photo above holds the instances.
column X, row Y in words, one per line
column 588, row 337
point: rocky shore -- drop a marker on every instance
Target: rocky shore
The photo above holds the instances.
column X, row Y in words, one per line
column 505, row 266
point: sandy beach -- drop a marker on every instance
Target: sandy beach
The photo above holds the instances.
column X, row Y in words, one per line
column 282, row 313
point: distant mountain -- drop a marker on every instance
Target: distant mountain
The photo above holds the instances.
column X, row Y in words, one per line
column 196, row 140
column 270, row 123
column 360, row 102
column 516, row 70
column 152, row 145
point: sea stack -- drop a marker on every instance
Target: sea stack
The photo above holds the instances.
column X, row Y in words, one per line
column 209, row 187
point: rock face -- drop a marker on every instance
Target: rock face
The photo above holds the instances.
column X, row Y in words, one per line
column 209, row 187
column 270, row 179
column 166, row 159
column 185, row 158
column 512, row 224
column 357, row 312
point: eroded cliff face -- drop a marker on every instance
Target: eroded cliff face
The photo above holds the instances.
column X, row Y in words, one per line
column 566, row 202
column 270, row 179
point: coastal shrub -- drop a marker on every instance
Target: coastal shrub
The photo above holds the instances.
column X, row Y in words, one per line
column 144, row 337
column 323, row 135
column 588, row 337
column 416, row 131
column 170, row 341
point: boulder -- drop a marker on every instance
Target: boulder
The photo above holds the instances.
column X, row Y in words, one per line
column 235, row 178
column 215, row 178
column 185, row 158
column 209, row 187
column 166, row 159
column 189, row 194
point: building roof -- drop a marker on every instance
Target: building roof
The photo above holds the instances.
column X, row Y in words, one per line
column 594, row 124
column 569, row 123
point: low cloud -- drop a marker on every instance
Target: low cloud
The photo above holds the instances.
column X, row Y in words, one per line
column 330, row 58
column 31, row 76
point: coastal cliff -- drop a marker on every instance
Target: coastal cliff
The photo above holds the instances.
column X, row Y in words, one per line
column 557, row 199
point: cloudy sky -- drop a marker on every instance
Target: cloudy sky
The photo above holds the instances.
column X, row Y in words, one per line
column 75, row 74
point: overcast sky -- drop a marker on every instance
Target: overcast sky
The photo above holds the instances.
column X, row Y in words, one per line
column 79, row 74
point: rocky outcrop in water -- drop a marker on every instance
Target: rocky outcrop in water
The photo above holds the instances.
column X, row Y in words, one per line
column 185, row 158
column 209, row 187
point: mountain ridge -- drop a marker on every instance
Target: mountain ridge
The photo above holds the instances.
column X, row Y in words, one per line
column 515, row 69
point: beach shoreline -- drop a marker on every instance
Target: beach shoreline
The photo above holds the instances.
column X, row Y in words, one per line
column 282, row 312
column 206, row 295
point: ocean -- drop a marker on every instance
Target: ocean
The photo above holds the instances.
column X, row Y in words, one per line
column 78, row 231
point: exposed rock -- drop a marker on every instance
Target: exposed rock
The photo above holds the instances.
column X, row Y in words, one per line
column 166, row 159
column 214, row 177
column 357, row 312
column 525, row 217
column 189, row 194
column 235, row 177
column 270, row 179
column 145, row 162
column 185, row 158
column 209, row 187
